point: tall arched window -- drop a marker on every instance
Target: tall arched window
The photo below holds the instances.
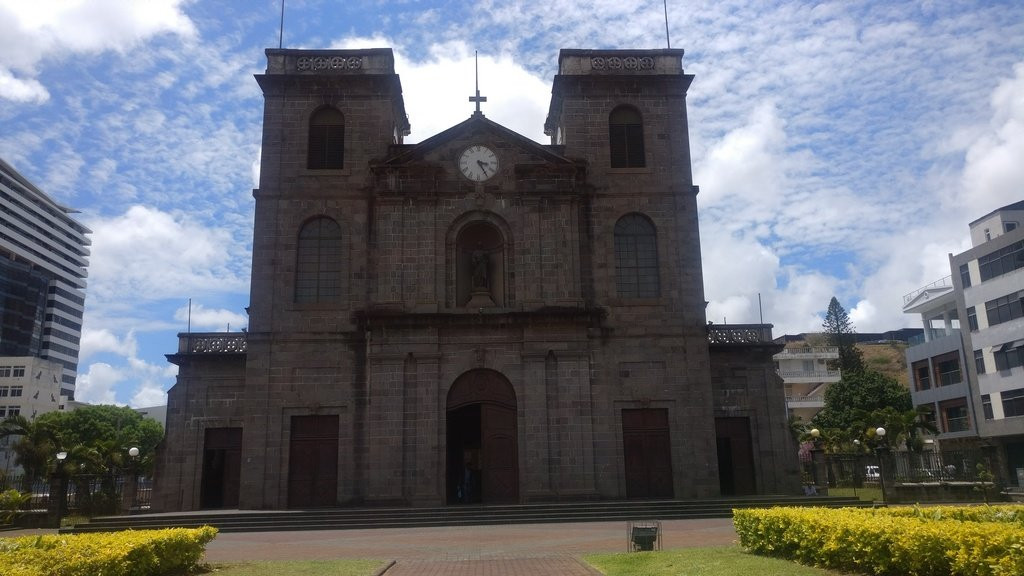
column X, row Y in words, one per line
column 326, row 140
column 636, row 257
column 626, row 138
column 318, row 261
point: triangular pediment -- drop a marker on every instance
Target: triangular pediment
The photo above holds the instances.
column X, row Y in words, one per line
column 477, row 129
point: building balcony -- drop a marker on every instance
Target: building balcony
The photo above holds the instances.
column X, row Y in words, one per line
column 937, row 295
column 810, row 376
column 810, row 353
column 815, row 401
column 741, row 334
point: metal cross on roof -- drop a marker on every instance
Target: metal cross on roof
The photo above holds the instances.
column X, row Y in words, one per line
column 478, row 98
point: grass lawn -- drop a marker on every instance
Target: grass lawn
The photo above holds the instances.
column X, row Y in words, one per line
column 712, row 561
column 345, row 567
column 870, row 492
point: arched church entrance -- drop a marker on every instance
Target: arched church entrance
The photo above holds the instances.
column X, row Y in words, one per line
column 482, row 454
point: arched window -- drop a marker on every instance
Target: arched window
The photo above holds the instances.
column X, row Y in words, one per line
column 636, row 257
column 626, row 138
column 326, row 140
column 318, row 261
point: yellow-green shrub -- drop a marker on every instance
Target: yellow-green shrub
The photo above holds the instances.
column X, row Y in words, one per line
column 129, row 553
column 885, row 542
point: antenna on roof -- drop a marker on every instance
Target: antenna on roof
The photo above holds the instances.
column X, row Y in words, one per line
column 280, row 33
column 668, row 41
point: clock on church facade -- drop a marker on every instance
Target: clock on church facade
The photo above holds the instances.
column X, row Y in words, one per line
column 476, row 318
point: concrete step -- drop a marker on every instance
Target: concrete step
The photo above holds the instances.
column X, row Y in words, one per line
column 460, row 515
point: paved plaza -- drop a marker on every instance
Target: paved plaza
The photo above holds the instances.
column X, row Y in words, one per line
column 507, row 550
column 504, row 550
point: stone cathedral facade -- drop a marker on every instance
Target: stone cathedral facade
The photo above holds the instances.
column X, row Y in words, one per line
column 476, row 318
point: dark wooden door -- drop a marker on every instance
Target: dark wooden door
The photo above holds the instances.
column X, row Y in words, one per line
column 482, row 439
column 500, row 460
column 313, row 462
column 735, row 456
column 222, row 467
column 647, row 452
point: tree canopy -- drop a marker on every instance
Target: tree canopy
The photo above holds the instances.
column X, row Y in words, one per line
column 96, row 439
column 851, row 402
column 839, row 332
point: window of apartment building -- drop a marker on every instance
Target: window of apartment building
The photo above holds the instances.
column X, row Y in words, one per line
column 979, row 361
column 5, row 391
column 922, row 375
column 808, row 366
column 954, row 415
column 986, row 406
column 1013, row 402
column 18, row 372
column 1009, row 226
column 1002, row 261
column 972, row 319
column 947, row 369
column 965, row 275
column 16, row 391
column 8, row 411
column 1009, row 355
column 1004, row 309
column 927, row 412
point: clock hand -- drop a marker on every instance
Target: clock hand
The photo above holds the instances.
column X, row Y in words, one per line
column 482, row 165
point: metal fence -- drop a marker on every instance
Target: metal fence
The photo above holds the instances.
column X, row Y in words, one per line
column 85, row 495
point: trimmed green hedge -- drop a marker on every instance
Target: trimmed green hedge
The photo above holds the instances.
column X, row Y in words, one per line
column 983, row 541
column 129, row 553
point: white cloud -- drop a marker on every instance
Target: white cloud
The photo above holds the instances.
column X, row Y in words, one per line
column 96, row 386
column 994, row 171
column 148, row 394
column 201, row 317
column 145, row 254
column 61, row 30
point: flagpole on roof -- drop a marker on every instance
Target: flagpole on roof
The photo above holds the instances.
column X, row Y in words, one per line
column 280, row 32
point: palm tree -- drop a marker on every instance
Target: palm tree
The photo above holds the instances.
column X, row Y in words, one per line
column 35, row 445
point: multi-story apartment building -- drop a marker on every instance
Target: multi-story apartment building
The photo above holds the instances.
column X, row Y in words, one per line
column 974, row 378
column 43, row 259
column 935, row 362
column 804, row 369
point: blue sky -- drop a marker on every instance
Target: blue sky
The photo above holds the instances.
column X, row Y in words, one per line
column 841, row 148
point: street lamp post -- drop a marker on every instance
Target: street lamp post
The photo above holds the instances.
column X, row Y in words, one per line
column 131, row 487
column 58, row 491
column 880, row 451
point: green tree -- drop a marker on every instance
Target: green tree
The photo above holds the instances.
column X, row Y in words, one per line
column 97, row 438
column 839, row 332
column 850, row 402
column 34, row 444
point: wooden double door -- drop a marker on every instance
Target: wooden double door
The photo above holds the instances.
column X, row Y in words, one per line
column 647, row 453
column 313, row 462
column 222, row 467
column 482, row 448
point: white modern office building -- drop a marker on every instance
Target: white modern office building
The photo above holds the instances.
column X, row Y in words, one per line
column 970, row 369
column 43, row 259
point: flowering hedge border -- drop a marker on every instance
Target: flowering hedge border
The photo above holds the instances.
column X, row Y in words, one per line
column 128, row 553
column 969, row 541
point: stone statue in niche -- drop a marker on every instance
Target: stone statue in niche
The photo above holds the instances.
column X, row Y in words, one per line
column 480, row 260
column 480, row 278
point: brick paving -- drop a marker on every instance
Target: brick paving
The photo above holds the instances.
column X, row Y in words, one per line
column 508, row 550
column 505, row 550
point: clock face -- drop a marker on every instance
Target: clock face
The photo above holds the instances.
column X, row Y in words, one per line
column 478, row 163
